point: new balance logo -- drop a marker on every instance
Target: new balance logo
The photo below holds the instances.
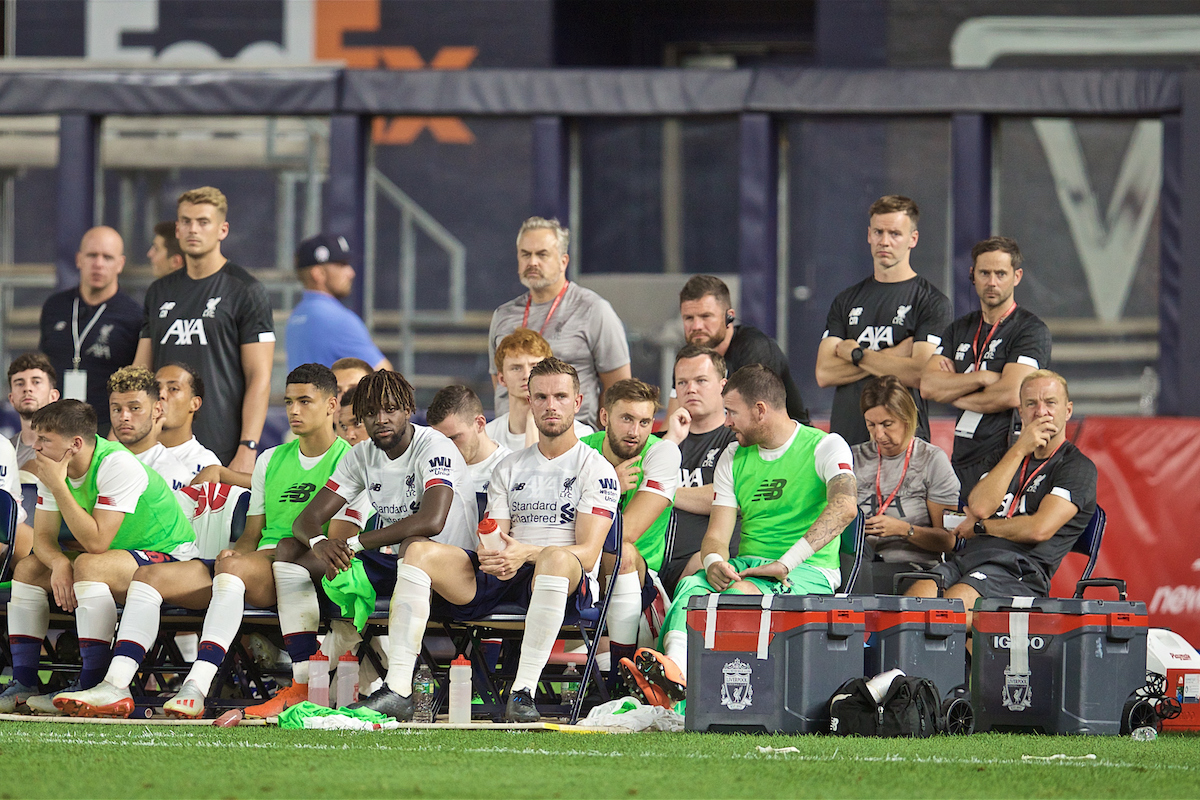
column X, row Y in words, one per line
column 298, row 493
column 375, row 487
column 210, row 308
column 184, row 330
column 769, row 490
column 519, row 487
column 876, row 337
column 165, row 309
column 855, row 313
column 961, row 353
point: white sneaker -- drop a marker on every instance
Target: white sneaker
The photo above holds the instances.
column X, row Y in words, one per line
column 102, row 700
column 187, row 704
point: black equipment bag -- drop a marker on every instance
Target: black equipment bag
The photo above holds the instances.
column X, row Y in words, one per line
column 911, row 707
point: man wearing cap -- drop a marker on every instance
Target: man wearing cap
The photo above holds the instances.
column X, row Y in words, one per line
column 320, row 329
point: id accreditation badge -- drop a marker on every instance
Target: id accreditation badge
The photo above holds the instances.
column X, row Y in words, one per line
column 967, row 423
column 75, row 384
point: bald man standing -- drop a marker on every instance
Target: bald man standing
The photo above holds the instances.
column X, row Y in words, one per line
column 90, row 331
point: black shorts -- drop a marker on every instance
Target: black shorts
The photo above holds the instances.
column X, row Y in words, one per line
column 996, row 573
column 492, row 592
column 381, row 570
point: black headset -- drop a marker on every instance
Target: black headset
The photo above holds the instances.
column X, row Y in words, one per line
column 728, row 318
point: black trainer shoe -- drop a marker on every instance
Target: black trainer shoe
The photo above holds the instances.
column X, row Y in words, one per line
column 385, row 701
column 520, row 708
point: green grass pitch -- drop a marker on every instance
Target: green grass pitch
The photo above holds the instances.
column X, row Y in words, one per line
column 60, row 760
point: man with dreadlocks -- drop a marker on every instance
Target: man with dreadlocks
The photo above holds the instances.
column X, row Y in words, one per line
column 420, row 487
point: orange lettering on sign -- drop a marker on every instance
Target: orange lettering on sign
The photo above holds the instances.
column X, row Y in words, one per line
column 335, row 18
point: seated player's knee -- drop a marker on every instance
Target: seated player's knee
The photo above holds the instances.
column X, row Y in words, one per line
column 631, row 560
column 88, row 567
column 556, row 561
column 923, row 588
column 290, row 550
column 236, row 564
column 419, row 553
column 150, row 576
column 29, row 570
column 743, row 587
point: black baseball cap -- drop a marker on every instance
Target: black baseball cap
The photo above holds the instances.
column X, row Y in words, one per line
column 323, row 248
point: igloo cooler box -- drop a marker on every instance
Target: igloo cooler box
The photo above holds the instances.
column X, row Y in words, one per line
column 925, row 637
column 769, row 663
column 1053, row 665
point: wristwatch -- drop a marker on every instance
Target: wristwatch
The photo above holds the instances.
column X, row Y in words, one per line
column 979, row 529
column 911, row 531
column 250, row 443
column 856, row 355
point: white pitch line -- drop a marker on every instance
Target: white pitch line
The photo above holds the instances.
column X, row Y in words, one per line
column 191, row 737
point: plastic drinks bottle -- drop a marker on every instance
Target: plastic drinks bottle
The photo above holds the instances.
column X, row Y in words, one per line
column 460, row 691
column 423, row 690
column 489, row 536
column 347, row 680
column 318, row 679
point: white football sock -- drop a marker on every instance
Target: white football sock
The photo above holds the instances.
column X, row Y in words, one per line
column 28, row 611
column 221, row 625
column 625, row 609
column 96, row 615
column 675, row 648
column 407, row 619
column 139, row 629
column 543, row 622
column 299, row 610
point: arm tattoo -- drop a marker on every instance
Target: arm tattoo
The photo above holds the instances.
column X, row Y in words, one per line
column 841, row 508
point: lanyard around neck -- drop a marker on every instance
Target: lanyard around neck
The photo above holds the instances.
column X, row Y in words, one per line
column 553, row 308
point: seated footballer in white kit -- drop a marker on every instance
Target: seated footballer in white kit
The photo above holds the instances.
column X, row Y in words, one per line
column 553, row 503
column 421, row 491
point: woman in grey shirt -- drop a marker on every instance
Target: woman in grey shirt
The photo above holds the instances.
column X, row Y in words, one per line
column 905, row 484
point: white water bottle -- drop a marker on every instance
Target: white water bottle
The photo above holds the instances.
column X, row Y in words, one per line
column 318, row 679
column 489, row 535
column 347, row 680
column 460, row 691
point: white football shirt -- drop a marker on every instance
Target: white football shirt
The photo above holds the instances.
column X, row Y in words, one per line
column 542, row 496
column 396, row 488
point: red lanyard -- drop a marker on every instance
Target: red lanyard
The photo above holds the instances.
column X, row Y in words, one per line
column 553, row 308
column 1024, row 484
column 975, row 348
column 883, row 504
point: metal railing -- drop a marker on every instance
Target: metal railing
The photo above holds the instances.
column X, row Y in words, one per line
column 412, row 218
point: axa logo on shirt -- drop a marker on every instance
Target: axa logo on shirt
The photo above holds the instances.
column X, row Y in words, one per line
column 769, row 489
column 184, row 330
column 690, row 478
column 876, row 337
